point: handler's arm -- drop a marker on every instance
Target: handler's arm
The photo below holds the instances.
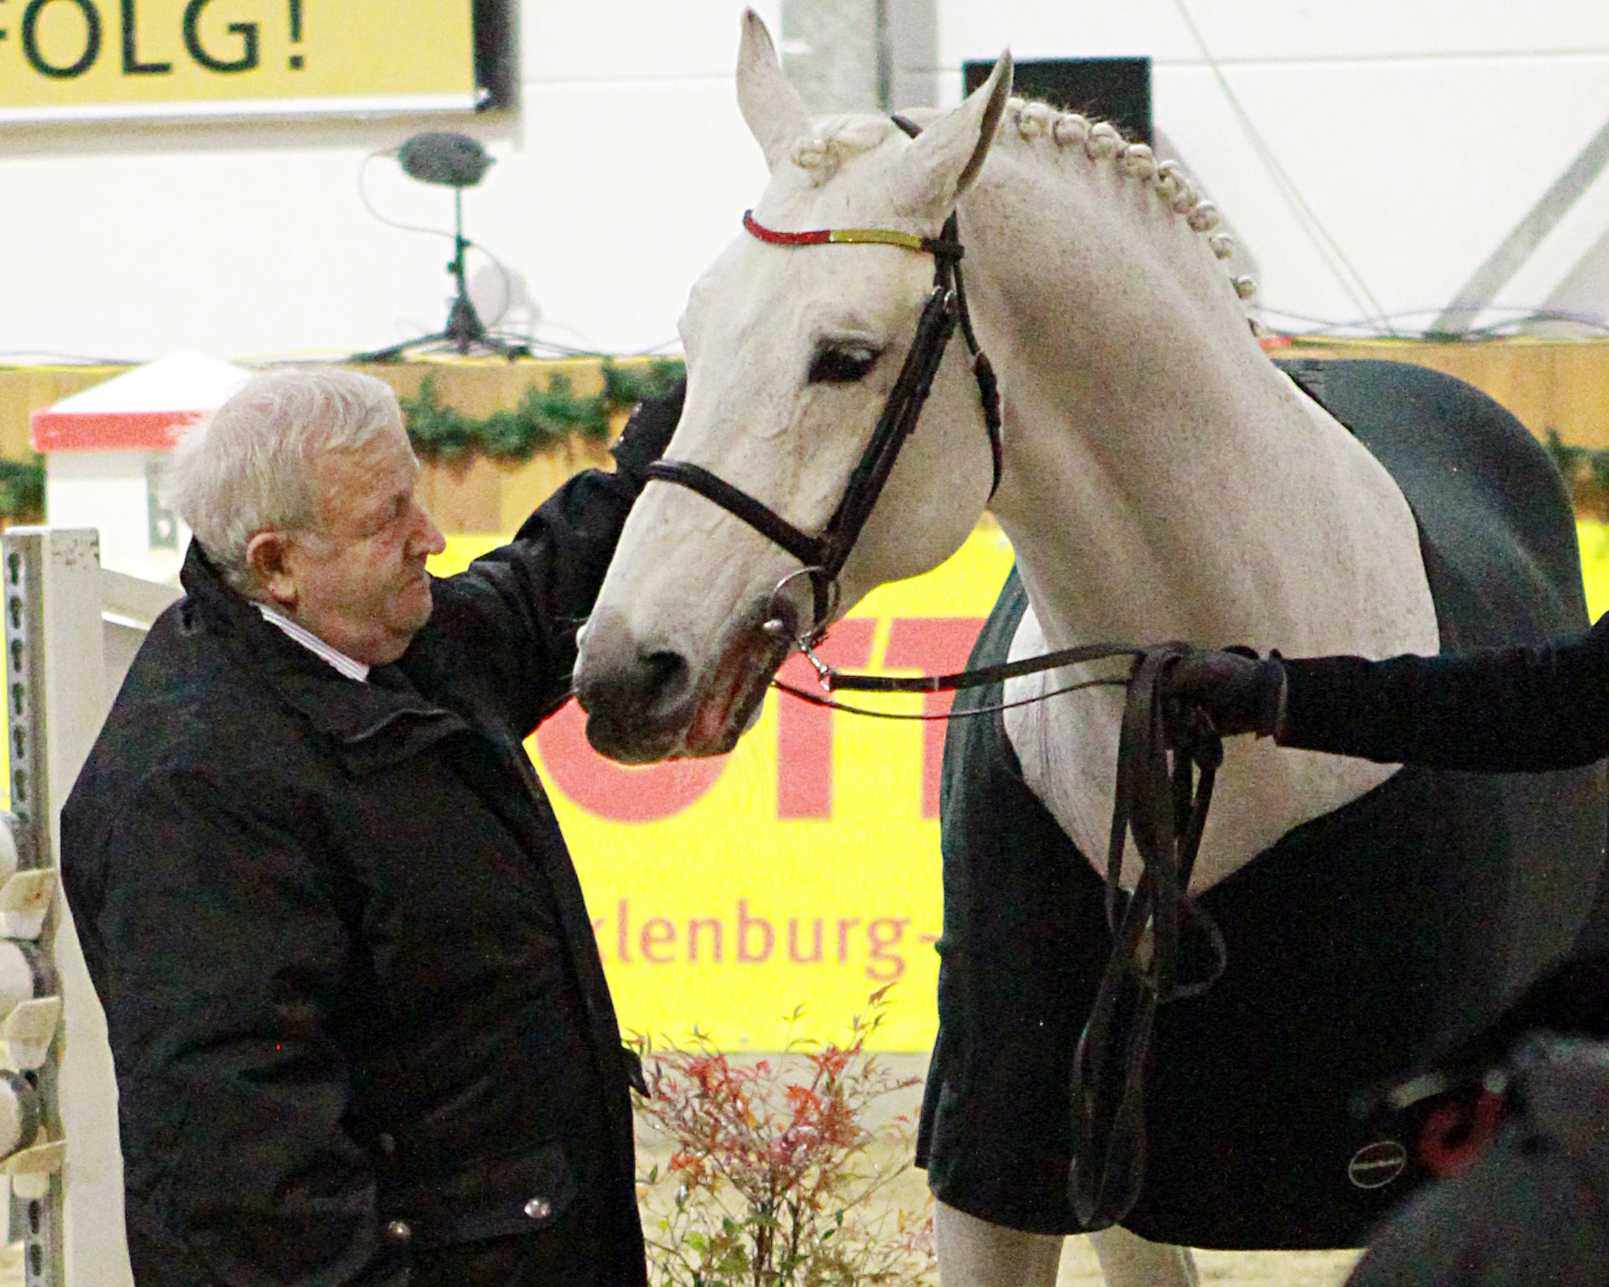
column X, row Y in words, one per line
column 509, row 623
column 1499, row 709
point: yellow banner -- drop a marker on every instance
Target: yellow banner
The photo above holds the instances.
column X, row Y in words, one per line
column 65, row 59
column 801, row 870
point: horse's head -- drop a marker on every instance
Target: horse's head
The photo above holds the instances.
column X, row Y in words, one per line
column 791, row 353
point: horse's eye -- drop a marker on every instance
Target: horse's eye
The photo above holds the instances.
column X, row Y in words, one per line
column 837, row 364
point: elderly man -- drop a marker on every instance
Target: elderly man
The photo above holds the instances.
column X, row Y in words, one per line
column 361, row 1028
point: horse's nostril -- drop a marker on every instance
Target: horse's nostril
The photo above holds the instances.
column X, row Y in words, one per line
column 665, row 675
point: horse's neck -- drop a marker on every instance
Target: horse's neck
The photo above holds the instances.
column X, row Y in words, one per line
column 1164, row 481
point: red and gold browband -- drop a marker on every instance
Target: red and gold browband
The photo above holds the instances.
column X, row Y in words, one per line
column 850, row 237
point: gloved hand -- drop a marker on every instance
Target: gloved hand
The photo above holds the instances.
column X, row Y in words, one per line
column 1238, row 692
column 647, row 434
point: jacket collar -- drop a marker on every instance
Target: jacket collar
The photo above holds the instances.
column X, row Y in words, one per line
column 378, row 723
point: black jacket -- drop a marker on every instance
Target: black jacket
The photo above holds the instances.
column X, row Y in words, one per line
column 356, row 1007
column 1498, row 709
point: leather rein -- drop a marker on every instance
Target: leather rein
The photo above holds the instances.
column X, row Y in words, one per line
column 1167, row 756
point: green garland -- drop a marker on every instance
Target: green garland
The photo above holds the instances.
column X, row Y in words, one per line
column 22, row 490
column 543, row 420
column 1585, row 470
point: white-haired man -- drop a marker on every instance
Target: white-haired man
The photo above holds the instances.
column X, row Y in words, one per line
column 361, row 1028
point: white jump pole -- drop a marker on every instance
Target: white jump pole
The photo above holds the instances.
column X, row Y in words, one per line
column 70, row 631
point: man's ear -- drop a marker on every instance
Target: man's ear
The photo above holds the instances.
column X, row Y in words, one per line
column 268, row 560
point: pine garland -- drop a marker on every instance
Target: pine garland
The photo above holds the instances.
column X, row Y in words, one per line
column 1585, row 470
column 22, row 491
column 543, row 420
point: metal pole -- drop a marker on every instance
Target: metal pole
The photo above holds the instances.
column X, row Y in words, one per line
column 36, row 1216
column 1481, row 290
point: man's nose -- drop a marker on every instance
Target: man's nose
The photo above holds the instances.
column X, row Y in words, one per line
column 428, row 537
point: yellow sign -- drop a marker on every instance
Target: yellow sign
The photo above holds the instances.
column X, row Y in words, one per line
column 802, row 869
column 67, row 59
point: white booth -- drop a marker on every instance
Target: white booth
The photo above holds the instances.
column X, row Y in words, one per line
column 104, row 450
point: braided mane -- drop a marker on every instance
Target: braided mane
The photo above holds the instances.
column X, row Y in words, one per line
column 839, row 138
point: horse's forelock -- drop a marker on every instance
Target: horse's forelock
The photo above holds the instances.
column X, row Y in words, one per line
column 837, row 139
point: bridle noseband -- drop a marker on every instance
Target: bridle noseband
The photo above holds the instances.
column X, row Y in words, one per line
column 823, row 556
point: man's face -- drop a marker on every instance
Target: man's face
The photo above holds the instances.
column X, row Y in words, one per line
column 357, row 576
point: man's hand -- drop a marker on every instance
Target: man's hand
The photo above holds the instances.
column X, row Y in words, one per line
column 1238, row 692
column 647, row 434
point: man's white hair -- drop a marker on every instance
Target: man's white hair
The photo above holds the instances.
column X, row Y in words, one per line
column 245, row 468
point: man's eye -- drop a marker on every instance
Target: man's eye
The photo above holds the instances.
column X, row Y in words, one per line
column 842, row 364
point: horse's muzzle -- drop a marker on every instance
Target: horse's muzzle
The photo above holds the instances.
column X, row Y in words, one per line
column 645, row 704
column 638, row 702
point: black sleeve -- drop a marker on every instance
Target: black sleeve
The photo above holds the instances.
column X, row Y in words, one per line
column 507, row 625
column 1497, row 709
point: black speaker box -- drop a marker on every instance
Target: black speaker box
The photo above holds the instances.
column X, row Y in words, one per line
column 1104, row 89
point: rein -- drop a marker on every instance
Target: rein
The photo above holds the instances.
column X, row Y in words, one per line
column 1164, row 806
column 1162, row 802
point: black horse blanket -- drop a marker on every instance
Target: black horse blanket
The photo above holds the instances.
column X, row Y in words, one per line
column 1359, row 943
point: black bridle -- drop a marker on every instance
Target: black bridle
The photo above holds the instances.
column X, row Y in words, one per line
column 1161, row 800
column 824, row 556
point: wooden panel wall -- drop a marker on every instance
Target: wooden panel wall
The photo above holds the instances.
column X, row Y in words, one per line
column 477, row 495
column 465, row 496
column 1549, row 384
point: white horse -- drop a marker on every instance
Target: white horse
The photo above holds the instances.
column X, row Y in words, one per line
column 1160, row 478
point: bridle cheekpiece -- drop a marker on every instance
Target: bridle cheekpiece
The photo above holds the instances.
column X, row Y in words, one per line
column 824, row 556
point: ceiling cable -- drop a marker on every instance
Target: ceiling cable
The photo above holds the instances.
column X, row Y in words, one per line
column 1350, row 280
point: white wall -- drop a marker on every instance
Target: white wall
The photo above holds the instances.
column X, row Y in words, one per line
column 1419, row 132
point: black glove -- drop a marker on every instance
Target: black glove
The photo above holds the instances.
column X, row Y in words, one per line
column 1238, row 692
column 647, row 433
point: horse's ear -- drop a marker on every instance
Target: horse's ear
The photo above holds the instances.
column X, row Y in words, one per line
column 947, row 155
column 772, row 107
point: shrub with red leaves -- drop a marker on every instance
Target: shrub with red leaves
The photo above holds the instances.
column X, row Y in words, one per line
column 776, row 1176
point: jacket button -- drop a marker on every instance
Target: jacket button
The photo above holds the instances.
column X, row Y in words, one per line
column 388, row 1143
column 539, row 1208
column 398, row 1231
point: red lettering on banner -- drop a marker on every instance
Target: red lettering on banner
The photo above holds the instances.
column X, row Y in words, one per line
column 693, row 926
column 804, row 732
column 883, row 934
column 793, row 943
column 933, row 646
column 756, row 939
column 657, row 932
column 745, row 923
column 619, row 792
